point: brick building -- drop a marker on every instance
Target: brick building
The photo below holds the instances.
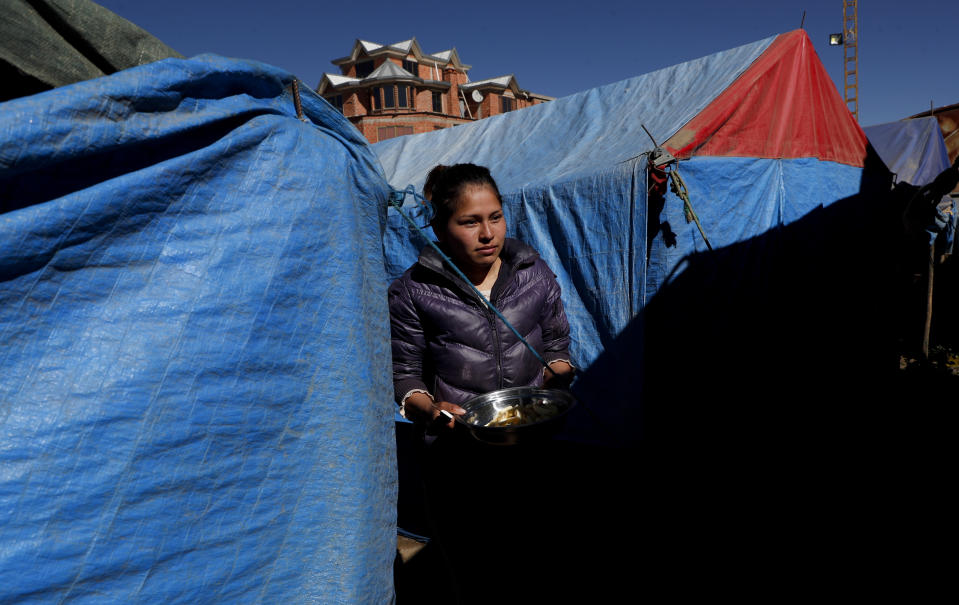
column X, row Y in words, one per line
column 394, row 90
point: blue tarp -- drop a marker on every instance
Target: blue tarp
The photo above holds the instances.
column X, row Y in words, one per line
column 577, row 135
column 736, row 387
column 913, row 150
column 573, row 177
column 568, row 170
column 195, row 344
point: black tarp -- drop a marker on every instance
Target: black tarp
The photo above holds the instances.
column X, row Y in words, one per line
column 50, row 43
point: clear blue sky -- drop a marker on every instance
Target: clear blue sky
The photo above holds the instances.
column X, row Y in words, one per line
column 907, row 53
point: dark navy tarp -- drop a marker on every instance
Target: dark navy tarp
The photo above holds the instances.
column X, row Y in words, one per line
column 50, row 43
column 913, row 150
column 195, row 389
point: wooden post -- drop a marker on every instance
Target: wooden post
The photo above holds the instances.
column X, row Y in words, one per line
column 928, row 325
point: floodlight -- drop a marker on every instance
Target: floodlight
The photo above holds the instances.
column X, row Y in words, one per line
column 835, row 39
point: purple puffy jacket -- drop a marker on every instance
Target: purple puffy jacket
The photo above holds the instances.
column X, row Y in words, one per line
column 448, row 343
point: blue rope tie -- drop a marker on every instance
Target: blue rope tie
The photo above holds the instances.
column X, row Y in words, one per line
column 396, row 201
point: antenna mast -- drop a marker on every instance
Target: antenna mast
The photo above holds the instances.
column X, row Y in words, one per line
column 850, row 65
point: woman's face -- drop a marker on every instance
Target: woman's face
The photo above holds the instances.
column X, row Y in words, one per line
column 475, row 232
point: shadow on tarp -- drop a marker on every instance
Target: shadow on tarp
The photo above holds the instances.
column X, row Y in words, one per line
column 749, row 431
column 753, row 408
column 756, row 328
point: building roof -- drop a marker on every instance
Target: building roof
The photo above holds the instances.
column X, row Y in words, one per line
column 403, row 48
column 390, row 70
column 502, row 83
column 336, row 79
column 405, row 45
column 932, row 112
column 369, row 46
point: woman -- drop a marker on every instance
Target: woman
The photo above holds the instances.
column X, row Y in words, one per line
column 448, row 346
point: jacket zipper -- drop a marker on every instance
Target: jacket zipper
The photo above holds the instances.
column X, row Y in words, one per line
column 496, row 344
column 490, row 317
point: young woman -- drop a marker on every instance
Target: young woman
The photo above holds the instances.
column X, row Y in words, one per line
column 448, row 346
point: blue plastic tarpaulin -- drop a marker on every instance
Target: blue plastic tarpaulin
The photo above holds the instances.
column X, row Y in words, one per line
column 731, row 408
column 194, row 400
column 574, row 180
column 914, row 150
column 571, row 168
column 568, row 170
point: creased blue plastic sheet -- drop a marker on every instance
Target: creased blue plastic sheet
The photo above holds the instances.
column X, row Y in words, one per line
column 737, row 199
column 573, row 177
column 575, row 135
column 195, row 344
column 568, row 170
column 600, row 269
column 913, row 150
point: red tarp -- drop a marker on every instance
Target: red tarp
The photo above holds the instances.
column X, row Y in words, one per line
column 783, row 106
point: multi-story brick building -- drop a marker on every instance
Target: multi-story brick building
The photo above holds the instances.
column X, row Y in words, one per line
column 394, row 90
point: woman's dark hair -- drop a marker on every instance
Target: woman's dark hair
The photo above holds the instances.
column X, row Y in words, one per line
column 444, row 184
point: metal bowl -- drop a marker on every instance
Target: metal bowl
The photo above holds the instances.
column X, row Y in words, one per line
column 517, row 414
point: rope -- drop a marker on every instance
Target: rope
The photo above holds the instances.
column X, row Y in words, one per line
column 297, row 104
column 396, row 200
column 676, row 183
column 678, row 186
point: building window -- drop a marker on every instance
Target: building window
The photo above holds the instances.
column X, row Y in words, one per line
column 389, row 132
column 336, row 101
column 389, row 97
column 506, row 104
column 411, row 67
column 364, row 68
column 438, row 102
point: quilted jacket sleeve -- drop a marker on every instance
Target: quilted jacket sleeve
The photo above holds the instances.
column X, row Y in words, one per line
column 554, row 324
column 408, row 342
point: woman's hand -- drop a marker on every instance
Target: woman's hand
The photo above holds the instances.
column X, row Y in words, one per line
column 420, row 407
column 560, row 377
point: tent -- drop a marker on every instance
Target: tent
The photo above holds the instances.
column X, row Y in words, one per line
column 728, row 393
column 914, row 150
column 195, row 343
column 195, row 399
column 948, row 118
column 764, row 142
